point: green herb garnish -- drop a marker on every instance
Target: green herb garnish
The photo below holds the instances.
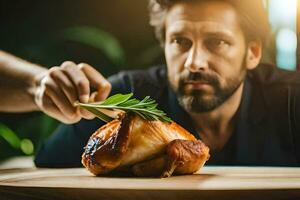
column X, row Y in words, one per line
column 146, row 108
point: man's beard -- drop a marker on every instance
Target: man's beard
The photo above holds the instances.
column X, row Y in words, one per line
column 195, row 101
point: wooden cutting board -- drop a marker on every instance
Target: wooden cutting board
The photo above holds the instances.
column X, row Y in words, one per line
column 209, row 183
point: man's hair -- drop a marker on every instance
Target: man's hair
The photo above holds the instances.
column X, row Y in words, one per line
column 253, row 17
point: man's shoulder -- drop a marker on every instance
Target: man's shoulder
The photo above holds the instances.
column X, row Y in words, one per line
column 276, row 98
column 277, row 87
column 278, row 91
column 270, row 75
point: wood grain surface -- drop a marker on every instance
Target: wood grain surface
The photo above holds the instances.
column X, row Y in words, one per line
column 209, row 183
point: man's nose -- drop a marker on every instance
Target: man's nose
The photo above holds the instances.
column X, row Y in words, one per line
column 197, row 60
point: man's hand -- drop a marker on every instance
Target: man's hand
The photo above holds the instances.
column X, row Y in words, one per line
column 62, row 86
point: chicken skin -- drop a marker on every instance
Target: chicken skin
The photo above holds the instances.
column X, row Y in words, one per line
column 144, row 147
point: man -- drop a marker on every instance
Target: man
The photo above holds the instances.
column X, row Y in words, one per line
column 247, row 113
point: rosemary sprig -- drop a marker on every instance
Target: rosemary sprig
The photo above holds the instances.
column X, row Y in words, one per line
column 146, row 108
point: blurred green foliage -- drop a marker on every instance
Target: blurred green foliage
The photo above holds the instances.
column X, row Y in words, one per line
column 10, row 137
column 99, row 39
column 22, row 134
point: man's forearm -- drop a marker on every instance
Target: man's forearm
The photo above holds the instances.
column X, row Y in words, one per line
column 17, row 83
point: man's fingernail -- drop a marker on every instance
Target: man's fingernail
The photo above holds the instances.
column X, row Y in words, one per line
column 84, row 98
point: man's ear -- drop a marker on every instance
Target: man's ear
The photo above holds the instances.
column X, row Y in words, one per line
column 254, row 54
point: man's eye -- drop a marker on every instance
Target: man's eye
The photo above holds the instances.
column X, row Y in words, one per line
column 182, row 42
column 215, row 44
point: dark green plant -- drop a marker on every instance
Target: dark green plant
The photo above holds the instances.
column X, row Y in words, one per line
column 24, row 145
column 99, row 39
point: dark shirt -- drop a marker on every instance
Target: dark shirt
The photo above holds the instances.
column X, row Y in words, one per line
column 267, row 130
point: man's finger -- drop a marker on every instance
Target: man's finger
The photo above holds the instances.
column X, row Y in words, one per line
column 53, row 111
column 97, row 81
column 79, row 80
column 59, row 99
column 86, row 114
column 65, row 84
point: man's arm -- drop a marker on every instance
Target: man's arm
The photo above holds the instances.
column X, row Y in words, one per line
column 27, row 87
column 18, row 79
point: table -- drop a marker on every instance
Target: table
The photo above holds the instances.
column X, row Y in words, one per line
column 209, row 183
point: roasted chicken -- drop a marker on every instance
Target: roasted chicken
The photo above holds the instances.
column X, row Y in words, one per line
column 144, row 148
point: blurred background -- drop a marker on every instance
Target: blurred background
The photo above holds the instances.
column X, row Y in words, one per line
column 109, row 35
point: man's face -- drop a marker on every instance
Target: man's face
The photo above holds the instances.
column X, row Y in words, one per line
column 205, row 52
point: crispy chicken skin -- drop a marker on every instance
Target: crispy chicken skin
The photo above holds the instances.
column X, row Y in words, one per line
column 146, row 148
